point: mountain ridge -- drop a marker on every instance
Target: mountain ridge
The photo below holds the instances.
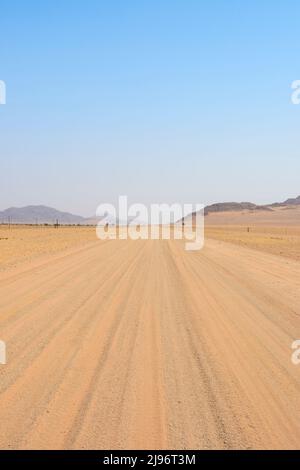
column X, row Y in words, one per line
column 41, row 214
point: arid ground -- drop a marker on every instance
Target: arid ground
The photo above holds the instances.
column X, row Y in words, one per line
column 141, row 344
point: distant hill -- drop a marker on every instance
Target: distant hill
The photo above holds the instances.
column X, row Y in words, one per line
column 38, row 214
column 292, row 202
column 245, row 207
column 233, row 206
column 241, row 206
column 49, row 215
column 221, row 207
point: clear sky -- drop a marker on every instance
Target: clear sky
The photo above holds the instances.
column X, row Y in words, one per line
column 161, row 100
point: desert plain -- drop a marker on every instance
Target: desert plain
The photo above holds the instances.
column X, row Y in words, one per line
column 123, row 344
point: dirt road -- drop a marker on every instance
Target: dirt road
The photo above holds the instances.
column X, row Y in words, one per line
column 140, row 344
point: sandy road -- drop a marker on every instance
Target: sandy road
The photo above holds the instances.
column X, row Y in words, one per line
column 140, row 344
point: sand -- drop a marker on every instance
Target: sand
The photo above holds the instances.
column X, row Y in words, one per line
column 282, row 241
column 140, row 344
column 25, row 243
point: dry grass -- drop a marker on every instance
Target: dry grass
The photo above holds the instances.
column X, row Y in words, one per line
column 21, row 243
column 283, row 241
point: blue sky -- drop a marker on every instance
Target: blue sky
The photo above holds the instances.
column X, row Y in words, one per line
column 164, row 101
